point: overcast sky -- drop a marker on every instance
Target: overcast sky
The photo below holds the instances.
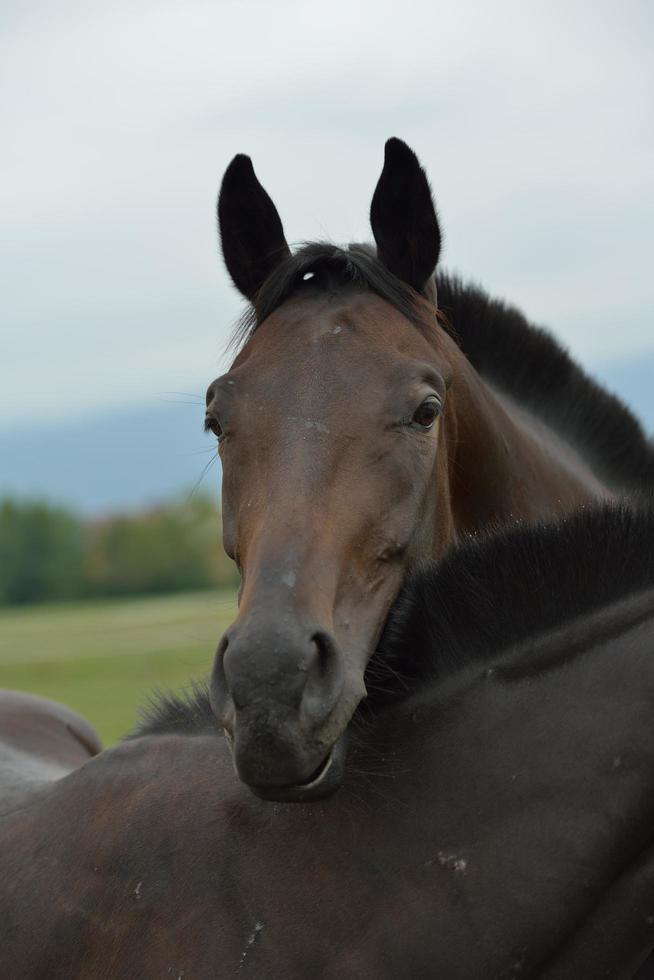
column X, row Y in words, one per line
column 534, row 122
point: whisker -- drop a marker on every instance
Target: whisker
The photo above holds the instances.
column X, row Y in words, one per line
column 179, row 401
column 203, row 474
column 186, row 394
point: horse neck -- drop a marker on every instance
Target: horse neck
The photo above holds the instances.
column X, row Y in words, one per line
column 504, row 464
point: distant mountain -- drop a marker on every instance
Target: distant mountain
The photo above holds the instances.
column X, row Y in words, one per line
column 128, row 458
column 119, row 459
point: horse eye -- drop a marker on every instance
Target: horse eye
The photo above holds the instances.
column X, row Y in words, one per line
column 427, row 413
column 211, row 424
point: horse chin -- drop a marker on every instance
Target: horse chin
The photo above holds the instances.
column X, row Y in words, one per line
column 323, row 782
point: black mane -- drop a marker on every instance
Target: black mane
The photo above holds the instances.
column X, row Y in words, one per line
column 166, row 713
column 523, row 360
column 530, row 366
column 511, row 586
column 481, row 599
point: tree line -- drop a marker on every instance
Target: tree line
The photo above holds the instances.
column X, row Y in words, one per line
column 50, row 553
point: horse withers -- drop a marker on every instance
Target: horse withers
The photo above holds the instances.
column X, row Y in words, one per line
column 374, row 416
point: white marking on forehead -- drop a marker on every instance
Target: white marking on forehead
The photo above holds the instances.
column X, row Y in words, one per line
column 289, row 579
column 337, row 329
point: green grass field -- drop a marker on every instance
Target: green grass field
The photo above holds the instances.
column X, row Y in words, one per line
column 104, row 658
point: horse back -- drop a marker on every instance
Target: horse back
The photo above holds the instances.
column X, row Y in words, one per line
column 40, row 741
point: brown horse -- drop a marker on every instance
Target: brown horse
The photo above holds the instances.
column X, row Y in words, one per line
column 496, row 819
column 373, row 417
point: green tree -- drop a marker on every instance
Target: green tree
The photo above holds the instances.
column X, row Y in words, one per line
column 41, row 552
column 166, row 549
column 47, row 553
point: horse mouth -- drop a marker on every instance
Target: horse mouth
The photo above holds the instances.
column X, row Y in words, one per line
column 322, row 782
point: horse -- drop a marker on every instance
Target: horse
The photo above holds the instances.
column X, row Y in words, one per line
column 376, row 413
column 496, row 817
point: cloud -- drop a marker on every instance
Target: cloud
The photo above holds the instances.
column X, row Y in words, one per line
column 534, row 124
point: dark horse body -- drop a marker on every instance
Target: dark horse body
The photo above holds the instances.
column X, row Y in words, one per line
column 358, row 438
column 496, row 819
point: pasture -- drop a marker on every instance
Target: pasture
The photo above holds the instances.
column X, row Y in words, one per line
column 103, row 658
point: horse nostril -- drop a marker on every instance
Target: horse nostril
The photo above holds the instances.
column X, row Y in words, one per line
column 221, row 702
column 328, row 658
column 325, row 678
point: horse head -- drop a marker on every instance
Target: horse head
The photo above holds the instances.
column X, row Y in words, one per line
column 333, row 444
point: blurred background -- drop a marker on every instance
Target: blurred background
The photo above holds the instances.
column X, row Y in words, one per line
column 534, row 123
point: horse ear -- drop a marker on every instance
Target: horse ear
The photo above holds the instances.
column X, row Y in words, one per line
column 251, row 232
column 403, row 217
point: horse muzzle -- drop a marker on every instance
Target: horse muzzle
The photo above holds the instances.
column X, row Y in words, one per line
column 281, row 694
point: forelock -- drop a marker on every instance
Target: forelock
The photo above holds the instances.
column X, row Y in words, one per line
column 321, row 266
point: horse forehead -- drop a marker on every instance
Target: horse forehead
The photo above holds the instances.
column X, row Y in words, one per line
column 360, row 319
column 360, row 334
column 331, row 372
